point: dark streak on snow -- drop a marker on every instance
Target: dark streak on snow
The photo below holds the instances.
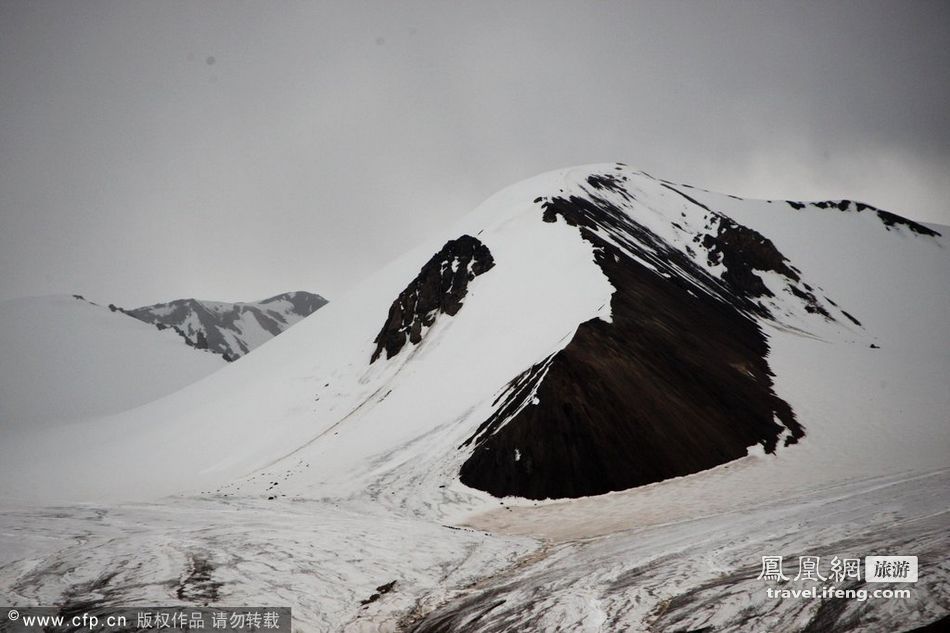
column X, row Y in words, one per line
column 690, row 198
column 198, row 585
column 101, row 595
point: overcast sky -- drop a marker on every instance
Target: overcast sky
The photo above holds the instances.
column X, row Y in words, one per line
column 234, row 150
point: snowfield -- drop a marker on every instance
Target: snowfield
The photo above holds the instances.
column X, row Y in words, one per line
column 303, row 475
column 323, row 558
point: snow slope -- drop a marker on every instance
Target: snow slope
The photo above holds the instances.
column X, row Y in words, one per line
column 851, row 306
column 64, row 358
column 231, row 329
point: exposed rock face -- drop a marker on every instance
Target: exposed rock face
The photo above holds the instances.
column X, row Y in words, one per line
column 677, row 383
column 742, row 251
column 890, row 220
column 229, row 329
column 440, row 287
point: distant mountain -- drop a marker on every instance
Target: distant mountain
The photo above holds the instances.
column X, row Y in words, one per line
column 66, row 358
column 230, row 329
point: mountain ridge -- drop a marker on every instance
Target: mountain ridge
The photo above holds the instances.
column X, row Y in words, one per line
column 230, row 330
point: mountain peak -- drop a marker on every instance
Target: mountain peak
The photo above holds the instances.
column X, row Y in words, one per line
column 230, row 329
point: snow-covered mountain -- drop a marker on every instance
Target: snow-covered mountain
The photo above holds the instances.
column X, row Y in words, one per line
column 64, row 358
column 230, row 329
column 593, row 404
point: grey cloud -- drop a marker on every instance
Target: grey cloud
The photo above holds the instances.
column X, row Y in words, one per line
column 326, row 138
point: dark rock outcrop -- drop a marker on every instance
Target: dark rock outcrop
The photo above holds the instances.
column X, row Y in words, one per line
column 892, row 219
column 742, row 251
column 677, row 383
column 440, row 287
column 888, row 219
